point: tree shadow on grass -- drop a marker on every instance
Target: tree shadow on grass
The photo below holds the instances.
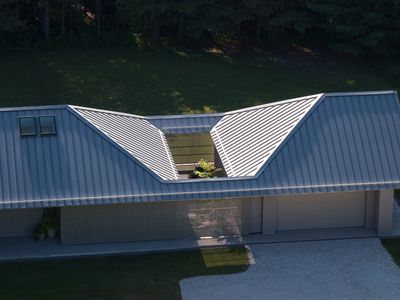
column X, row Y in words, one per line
column 150, row 276
column 166, row 82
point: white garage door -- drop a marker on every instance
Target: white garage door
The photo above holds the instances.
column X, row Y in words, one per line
column 328, row 210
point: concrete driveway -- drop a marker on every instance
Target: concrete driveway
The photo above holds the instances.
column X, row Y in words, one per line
column 339, row 269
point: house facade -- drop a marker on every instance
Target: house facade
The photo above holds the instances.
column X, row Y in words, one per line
column 315, row 162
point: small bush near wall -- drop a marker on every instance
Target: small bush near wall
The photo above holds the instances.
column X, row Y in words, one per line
column 48, row 227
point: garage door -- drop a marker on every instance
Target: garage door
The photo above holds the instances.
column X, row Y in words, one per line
column 328, row 210
column 19, row 222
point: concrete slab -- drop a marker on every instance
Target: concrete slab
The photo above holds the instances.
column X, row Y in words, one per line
column 310, row 235
column 16, row 249
column 13, row 249
column 338, row 269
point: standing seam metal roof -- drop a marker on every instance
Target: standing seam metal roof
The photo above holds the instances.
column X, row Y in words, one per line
column 137, row 136
column 185, row 124
column 245, row 139
column 346, row 142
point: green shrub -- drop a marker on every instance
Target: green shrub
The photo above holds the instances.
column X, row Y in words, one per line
column 205, row 169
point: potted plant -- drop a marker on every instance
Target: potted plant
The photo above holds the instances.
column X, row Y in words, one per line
column 50, row 224
column 40, row 232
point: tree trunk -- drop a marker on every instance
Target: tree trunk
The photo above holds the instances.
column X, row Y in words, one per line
column 157, row 27
column 63, row 18
column 16, row 17
column 98, row 16
column 46, row 20
column 258, row 29
column 69, row 17
column 181, row 28
column 116, row 15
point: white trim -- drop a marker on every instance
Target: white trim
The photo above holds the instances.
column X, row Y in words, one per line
column 183, row 127
column 106, row 111
column 286, row 138
column 39, row 107
column 161, row 117
column 167, row 150
column 223, row 150
column 272, row 104
column 384, row 92
column 87, row 122
column 203, row 192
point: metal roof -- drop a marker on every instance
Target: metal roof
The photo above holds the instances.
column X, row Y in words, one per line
column 136, row 135
column 349, row 138
column 184, row 124
column 346, row 142
column 245, row 139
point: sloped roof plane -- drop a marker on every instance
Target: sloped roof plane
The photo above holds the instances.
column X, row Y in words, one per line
column 245, row 139
column 137, row 136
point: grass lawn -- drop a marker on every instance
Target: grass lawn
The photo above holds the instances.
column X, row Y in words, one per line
column 393, row 247
column 149, row 276
column 168, row 81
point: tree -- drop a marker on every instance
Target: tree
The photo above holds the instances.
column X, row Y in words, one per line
column 355, row 27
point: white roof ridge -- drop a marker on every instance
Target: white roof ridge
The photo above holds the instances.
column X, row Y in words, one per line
column 77, row 107
column 34, row 107
column 182, row 116
column 80, row 111
column 236, row 154
column 289, row 134
column 271, row 104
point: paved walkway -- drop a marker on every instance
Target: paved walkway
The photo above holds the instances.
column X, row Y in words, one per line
column 13, row 249
column 339, row 269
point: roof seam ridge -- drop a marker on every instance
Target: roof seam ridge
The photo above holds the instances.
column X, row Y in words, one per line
column 271, row 104
column 108, row 112
column 287, row 137
column 166, row 147
column 225, row 154
column 114, row 143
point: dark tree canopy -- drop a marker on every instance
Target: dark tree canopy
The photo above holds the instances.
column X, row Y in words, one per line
column 349, row 26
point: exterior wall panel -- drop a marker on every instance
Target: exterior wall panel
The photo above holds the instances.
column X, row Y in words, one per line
column 256, row 213
column 328, row 210
column 269, row 215
column 19, row 222
column 150, row 221
column 385, row 212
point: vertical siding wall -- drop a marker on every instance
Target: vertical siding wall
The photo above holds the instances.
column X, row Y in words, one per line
column 19, row 222
column 385, row 212
column 322, row 210
column 151, row 221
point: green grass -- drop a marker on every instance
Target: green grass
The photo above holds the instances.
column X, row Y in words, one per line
column 167, row 81
column 393, row 247
column 150, row 276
